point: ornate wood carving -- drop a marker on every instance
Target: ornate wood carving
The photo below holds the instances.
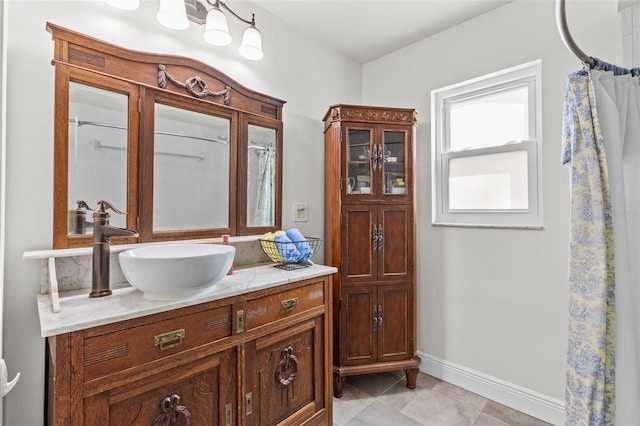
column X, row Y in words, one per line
column 173, row 414
column 288, row 363
column 372, row 114
column 195, row 86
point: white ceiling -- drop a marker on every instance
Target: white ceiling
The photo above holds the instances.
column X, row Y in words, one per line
column 368, row 29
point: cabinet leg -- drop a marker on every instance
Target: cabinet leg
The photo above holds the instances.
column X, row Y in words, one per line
column 412, row 375
column 338, row 383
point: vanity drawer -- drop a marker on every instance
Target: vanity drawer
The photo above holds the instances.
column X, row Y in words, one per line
column 116, row 351
column 267, row 309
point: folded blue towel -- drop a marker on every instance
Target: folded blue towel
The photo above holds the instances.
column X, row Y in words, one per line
column 301, row 243
column 288, row 250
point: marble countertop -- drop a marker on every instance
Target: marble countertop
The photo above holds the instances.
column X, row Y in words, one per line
column 79, row 312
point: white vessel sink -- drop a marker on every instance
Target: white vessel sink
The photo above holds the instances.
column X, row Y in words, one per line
column 175, row 271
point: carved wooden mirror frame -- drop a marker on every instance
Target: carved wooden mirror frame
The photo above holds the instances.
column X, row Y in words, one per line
column 143, row 76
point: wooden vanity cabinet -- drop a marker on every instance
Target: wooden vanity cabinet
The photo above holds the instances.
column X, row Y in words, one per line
column 370, row 238
column 262, row 358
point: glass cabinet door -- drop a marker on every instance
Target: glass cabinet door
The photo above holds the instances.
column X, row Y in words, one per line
column 377, row 161
column 393, row 162
column 359, row 178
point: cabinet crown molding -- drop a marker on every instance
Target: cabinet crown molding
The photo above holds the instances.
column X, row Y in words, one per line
column 368, row 114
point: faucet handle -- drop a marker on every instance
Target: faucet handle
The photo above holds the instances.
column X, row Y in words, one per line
column 104, row 205
column 83, row 204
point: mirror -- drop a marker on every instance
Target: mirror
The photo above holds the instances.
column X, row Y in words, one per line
column 184, row 149
column 190, row 170
column 97, row 150
column 261, row 176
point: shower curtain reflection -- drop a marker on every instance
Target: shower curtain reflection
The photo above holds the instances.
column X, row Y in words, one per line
column 265, row 196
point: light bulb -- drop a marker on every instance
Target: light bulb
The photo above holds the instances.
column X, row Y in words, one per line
column 251, row 47
column 217, row 30
column 172, row 14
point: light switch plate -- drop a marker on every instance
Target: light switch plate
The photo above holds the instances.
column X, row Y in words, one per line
column 301, row 212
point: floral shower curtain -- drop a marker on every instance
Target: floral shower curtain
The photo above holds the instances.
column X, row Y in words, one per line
column 264, row 214
column 590, row 393
column 601, row 140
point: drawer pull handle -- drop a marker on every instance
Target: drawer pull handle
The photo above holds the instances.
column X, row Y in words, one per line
column 170, row 339
column 172, row 412
column 288, row 363
column 289, row 304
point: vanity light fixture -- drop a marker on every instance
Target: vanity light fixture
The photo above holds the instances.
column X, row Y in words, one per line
column 176, row 14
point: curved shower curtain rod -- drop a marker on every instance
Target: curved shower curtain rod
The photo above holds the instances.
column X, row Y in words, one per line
column 561, row 21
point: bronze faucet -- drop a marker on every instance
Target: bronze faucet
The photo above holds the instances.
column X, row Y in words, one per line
column 102, row 232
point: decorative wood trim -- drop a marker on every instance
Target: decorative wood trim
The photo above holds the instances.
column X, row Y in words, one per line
column 196, row 86
column 86, row 57
column 73, row 48
column 222, row 322
column 106, row 354
column 372, row 115
column 366, row 114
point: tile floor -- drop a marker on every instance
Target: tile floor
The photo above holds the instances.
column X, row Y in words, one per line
column 384, row 400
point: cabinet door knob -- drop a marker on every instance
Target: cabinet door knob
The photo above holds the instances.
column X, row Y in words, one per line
column 289, row 362
column 374, row 157
column 375, row 237
column 172, row 413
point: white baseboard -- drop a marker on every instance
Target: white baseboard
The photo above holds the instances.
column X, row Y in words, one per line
column 545, row 408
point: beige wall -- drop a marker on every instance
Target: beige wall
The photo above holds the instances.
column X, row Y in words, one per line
column 493, row 302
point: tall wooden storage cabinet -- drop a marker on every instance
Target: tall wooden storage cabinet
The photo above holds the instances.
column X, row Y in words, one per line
column 370, row 238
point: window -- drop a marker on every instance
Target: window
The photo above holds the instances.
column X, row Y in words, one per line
column 486, row 150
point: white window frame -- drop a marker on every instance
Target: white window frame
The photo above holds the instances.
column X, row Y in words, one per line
column 530, row 218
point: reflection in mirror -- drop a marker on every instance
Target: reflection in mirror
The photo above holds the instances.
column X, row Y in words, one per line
column 191, row 169
column 97, row 154
column 261, row 176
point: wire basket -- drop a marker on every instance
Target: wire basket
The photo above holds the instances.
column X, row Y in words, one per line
column 289, row 256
